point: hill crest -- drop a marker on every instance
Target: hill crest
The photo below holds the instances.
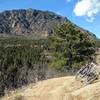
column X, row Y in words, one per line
column 31, row 22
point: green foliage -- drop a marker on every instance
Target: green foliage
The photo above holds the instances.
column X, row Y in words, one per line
column 21, row 61
column 98, row 43
column 70, row 47
column 24, row 59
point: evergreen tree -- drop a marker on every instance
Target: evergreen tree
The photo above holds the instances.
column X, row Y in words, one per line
column 70, row 47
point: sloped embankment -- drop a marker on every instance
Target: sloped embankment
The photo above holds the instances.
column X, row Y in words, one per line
column 64, row 88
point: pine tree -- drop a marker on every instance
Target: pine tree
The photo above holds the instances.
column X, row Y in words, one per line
column 70, row 47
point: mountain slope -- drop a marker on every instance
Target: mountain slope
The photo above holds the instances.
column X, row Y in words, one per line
column 30, row 22
column 64, row 88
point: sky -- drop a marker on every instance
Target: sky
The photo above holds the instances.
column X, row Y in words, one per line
column 84, row 13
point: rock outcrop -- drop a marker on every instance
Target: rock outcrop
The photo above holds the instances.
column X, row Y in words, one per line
column 28, row 22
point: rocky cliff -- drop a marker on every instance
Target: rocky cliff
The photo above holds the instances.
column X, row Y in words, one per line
column 28, row 22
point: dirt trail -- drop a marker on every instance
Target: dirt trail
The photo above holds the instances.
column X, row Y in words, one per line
column 64, row 88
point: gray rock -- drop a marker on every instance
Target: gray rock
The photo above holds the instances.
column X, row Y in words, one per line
column 88, row 73
column 31, row 22
column 28, row 22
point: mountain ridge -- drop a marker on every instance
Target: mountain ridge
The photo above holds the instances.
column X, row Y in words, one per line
column 31, row 22
column 27, row 22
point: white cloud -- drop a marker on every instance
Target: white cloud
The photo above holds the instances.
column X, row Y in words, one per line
column 87, row 8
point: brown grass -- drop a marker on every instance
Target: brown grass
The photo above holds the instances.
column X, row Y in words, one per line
column 64, row 88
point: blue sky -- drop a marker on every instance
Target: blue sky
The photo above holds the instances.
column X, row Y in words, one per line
column 84, row 13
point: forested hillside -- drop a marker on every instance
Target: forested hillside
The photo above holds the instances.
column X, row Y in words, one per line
column 22, row 62
column 25, row 59
column 71, row 48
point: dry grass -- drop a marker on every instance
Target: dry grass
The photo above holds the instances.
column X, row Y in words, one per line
column 64, row 88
